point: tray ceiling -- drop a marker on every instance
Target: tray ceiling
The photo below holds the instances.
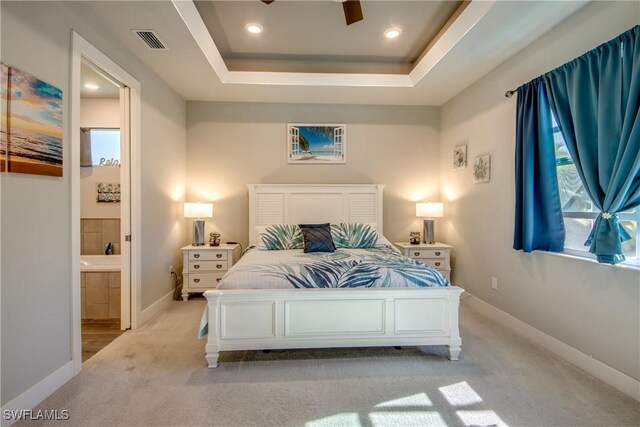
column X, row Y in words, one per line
column 311, row 36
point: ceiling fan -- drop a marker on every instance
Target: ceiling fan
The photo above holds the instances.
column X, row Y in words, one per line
column 352, row 10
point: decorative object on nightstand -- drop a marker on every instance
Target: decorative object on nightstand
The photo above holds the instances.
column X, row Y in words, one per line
column 414, row 237
column 214, row 239
column 436, row 255
column 429, row 210
column 198, row 211
column 204, row 266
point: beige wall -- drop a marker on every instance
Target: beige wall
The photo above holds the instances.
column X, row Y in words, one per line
column 591, row 307
column 231, row 145
column 98, row 113
column 35, row 210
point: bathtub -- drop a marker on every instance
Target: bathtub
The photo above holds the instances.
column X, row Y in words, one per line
column 99, row 263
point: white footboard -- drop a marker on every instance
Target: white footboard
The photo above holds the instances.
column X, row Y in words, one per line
column 320, row 318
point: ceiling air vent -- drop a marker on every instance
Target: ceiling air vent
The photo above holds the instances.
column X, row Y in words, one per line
column 150, row 39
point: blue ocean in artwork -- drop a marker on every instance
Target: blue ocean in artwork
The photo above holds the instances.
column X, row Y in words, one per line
column 34, row 121
column 318, row 143
column 36, row 147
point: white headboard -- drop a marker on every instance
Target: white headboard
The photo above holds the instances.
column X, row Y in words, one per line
column 313, row 203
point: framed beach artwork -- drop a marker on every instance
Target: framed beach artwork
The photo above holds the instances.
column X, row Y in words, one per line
column 482, row 169
column 4, row 111
column 316, row 143
column 460, row 156
column 34, row 125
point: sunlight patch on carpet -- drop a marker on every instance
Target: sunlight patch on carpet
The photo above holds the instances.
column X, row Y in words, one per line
column 406, row 418
column 460, row 394
column 481, row 418
column 420, row 399
column 347, row 419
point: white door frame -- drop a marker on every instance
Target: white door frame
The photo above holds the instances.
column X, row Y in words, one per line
column 82, row 49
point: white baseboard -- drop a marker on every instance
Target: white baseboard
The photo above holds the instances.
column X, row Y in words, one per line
column 156, row 308
column 39, row 392
column 616, row 379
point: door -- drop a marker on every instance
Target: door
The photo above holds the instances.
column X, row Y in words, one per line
column 125, row 207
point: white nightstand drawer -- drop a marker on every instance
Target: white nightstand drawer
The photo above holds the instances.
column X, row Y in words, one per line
column 427, row 253
column 208, row 280
column 196, row 266
column 435, row 263
column 208, row 255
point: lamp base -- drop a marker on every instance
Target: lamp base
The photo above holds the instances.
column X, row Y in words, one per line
column 198, row 232
column 428, row 232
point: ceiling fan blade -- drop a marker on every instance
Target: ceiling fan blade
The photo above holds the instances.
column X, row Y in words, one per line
column 352, row 11
column 267, row 1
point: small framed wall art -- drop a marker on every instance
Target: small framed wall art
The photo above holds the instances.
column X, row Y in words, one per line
column 460, row 156
column 316, row 143
column 482, row 169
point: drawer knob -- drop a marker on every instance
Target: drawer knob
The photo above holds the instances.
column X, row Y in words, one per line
column 218, row 279
column 438, row 264
column 196, row 255
column 196, row 280
column 416, row 253
column 197, row 266
column 219, row 266
column 437, row 253
column 218, row 255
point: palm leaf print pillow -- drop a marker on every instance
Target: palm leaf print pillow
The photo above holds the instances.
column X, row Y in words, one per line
column 354, row 235
column 279, row 237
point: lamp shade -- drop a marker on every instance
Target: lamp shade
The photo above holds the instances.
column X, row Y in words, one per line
column 198, row 210
column 429, row 210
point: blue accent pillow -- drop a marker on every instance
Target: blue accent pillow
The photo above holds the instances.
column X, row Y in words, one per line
column 317, row 238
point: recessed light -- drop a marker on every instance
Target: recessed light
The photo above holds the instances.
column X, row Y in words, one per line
column 392, row 33
column 254, row 28
column 91, row 86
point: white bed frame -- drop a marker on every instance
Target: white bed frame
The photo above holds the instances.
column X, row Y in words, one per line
column 317, row 318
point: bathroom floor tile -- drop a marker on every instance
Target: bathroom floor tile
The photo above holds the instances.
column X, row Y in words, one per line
column 97, row 334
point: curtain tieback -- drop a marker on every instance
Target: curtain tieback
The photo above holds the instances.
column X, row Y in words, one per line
column 606, row 215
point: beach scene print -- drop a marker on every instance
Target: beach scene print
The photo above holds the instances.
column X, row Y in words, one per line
column 317, row 143
column 4, row 100
column 34, row 125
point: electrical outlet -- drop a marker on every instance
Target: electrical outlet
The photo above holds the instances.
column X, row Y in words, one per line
column 494, row 283
column 171, row 269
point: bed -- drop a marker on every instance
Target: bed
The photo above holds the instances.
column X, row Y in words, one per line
column 261, row 304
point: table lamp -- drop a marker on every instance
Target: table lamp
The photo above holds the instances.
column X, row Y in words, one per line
column 429, row 210
column 198, row 211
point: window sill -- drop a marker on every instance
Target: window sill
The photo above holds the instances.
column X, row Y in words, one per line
column 589, row 258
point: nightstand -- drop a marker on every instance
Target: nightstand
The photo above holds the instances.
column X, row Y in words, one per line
column 204, row 266
column 436, row 255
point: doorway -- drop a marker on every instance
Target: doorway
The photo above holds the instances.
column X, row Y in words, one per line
column 103, row 312
column 105, row 115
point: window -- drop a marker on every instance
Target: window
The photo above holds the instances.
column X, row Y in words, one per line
column 580, row 213
column 105, row 147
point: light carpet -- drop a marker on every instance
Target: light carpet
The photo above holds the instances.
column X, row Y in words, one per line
column 157, row 376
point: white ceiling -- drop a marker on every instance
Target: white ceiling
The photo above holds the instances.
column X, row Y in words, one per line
column 467, row 50
column 106, row 88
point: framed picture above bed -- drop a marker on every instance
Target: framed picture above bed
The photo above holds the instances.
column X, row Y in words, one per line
column 316, row 143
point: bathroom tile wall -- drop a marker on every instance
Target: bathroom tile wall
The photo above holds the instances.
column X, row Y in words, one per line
column 96, row 233
column 100, row 294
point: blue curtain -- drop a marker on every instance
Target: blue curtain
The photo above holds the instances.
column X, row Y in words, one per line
column 596, row 100
column 538, row 224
